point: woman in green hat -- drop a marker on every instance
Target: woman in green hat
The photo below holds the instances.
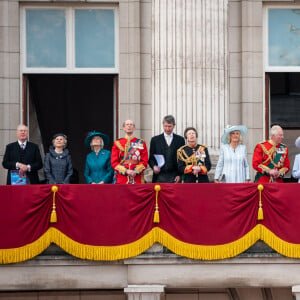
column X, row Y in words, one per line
column 97, row 166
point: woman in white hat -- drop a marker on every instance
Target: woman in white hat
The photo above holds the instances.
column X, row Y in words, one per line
column 232, row 165
column 296, row 167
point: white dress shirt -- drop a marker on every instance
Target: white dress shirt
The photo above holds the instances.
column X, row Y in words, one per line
column 168, row 138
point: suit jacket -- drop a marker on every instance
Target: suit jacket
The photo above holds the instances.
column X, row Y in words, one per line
column 31, row 156
column 158, row 145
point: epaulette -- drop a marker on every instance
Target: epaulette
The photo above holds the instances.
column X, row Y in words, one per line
column 118, row 144
column 182, row 147
column 204, row 146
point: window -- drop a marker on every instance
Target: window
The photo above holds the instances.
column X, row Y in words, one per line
column 282, row 39
column 285, row 99
column 69, row 40
column 45, row 38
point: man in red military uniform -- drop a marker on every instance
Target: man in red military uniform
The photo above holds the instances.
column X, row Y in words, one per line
column 129, row 156
column 270, row 158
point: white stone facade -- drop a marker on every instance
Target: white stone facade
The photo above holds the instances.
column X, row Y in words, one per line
column 198, row 60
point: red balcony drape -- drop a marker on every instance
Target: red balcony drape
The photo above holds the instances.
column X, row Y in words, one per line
column 110, row 222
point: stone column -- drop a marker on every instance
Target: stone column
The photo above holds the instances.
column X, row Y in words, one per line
column 9, row 75
column 189, row 66
column 144, row 292
column 252, row 71
column 296, row 291
column 130, row 64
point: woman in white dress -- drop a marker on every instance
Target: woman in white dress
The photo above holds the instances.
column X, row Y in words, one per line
column 296, row 167
column 232, row 165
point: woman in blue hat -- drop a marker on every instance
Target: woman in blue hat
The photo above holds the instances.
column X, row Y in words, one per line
column 232, row 165
column 98, row 166
column 58, row 163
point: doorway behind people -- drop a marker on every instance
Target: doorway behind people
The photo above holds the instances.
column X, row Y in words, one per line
column 283, row 108
column 74, row 105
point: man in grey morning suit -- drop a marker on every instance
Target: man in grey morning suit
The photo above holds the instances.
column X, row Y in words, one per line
column 166, row 145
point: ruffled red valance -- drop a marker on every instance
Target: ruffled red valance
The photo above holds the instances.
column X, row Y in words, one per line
column 110, row 222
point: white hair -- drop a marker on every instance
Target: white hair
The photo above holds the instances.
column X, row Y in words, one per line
column 274, row 129
column 21, row 125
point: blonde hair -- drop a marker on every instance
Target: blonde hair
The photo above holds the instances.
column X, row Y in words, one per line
column 229, row 137
column 101, row 142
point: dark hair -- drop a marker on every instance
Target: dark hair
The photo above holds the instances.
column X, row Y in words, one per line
column 169, row 119
column 190, row 128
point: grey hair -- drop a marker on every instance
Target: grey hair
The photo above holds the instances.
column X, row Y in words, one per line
column 169, row 119
column 21, row 125
column 128, row 120
column 101, row 142
column 64, row 138
column 274, row 129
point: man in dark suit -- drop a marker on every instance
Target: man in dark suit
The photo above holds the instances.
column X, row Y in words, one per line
column 24, row 157
column 165, row 145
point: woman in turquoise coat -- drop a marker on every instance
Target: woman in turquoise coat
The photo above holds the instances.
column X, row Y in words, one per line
column 98, row 168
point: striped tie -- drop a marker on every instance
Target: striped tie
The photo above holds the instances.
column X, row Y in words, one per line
column 23, row 146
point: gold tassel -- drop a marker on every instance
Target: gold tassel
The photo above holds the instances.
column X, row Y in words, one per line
column 156, row 218
column 53, row 217
column 260, row 214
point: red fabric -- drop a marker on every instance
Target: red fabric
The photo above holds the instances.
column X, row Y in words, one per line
column 208, row 214
column 117, row 155
column 105, row 214
column 24, row 214
column 108, row 215
column 281, row 208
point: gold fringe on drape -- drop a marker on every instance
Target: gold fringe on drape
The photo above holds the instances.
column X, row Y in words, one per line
column 128, row 250
column 209, row 252
column 110, row 253
column 279, row 245
column 15, row 255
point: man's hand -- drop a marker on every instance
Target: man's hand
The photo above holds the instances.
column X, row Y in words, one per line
column 196, row 170
column 131, row 173
column 22, row 168
column 156, row 169
column 274, row 173
column 177, row 179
